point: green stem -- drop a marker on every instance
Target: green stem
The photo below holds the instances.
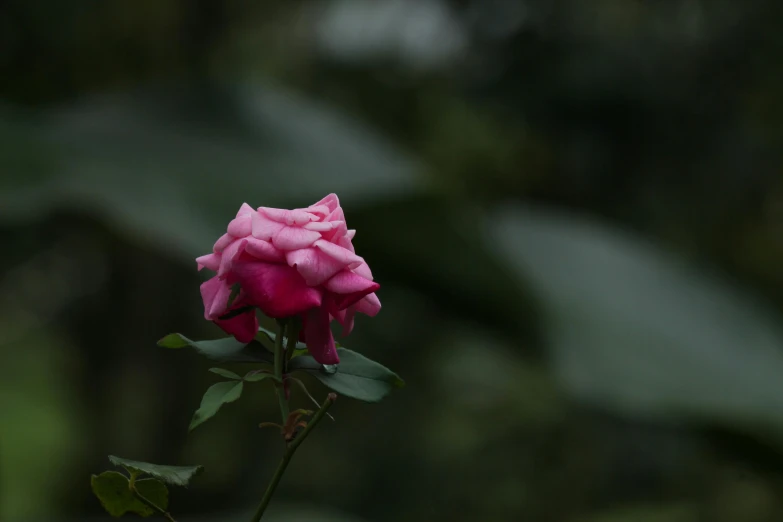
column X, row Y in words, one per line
column 279, row 363
column 289, row 452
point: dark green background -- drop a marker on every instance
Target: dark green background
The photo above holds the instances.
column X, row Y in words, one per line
column 575, row 211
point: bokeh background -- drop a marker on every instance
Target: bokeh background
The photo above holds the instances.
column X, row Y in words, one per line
column 575, row 210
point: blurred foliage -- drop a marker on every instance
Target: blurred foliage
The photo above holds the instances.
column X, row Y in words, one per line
column 574, row 210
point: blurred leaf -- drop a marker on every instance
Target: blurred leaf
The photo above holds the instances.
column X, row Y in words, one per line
column 299, row 511
column 225, row 373
column 216, row 396
column 205, row 152
column 153, row 490
column 356, row 376
column 635, row 329
column 174, row 475
column 227, row 349
column 443, row 255
column 174, row 164
column 648, row 513
column 39, row 427
column 112, row 489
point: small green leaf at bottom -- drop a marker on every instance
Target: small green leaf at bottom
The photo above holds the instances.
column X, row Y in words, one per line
column 154, row 491
column 174, row 475
column 216, row 396
column 113, row 490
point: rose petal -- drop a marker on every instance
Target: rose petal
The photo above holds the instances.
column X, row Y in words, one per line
column 344, row 242
column 363, row 270
column 240, row 226
column 220, row 304
column 348, row 319
column 228, row 256
column 222, row 243
column 243, row 327
column 314, row 265
column 336, row 215
column 369, row 305
column 345, row 256
column 318, row 336
column 210, row 261
column 349, row 234
column 338, row 218
column 343, row 316
column 319, row 226
column 321, row 210
column 275, row 214
column 245, row 209
column 215, row 294
column 209, row 289
column 347, row 288
column 330, row 303
column 336, row 314
column 277, row 289
column 263, row 250
column 289, row 217
column 331, row 202
column 347, row 282
column 292, row 238
column 264, row 228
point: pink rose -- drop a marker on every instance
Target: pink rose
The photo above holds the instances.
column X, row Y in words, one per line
column 289, row 263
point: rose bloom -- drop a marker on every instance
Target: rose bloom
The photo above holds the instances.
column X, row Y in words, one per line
column 289, row 263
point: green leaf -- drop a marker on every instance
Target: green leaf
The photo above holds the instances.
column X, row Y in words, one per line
column 227, row 349
column 154, row 491
column 256, row 376
column 356, row 376
column 216, row 396
column 637, row 330
column 174, row 475
column 226, row 373
column 113, row 490
column 175, row 340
